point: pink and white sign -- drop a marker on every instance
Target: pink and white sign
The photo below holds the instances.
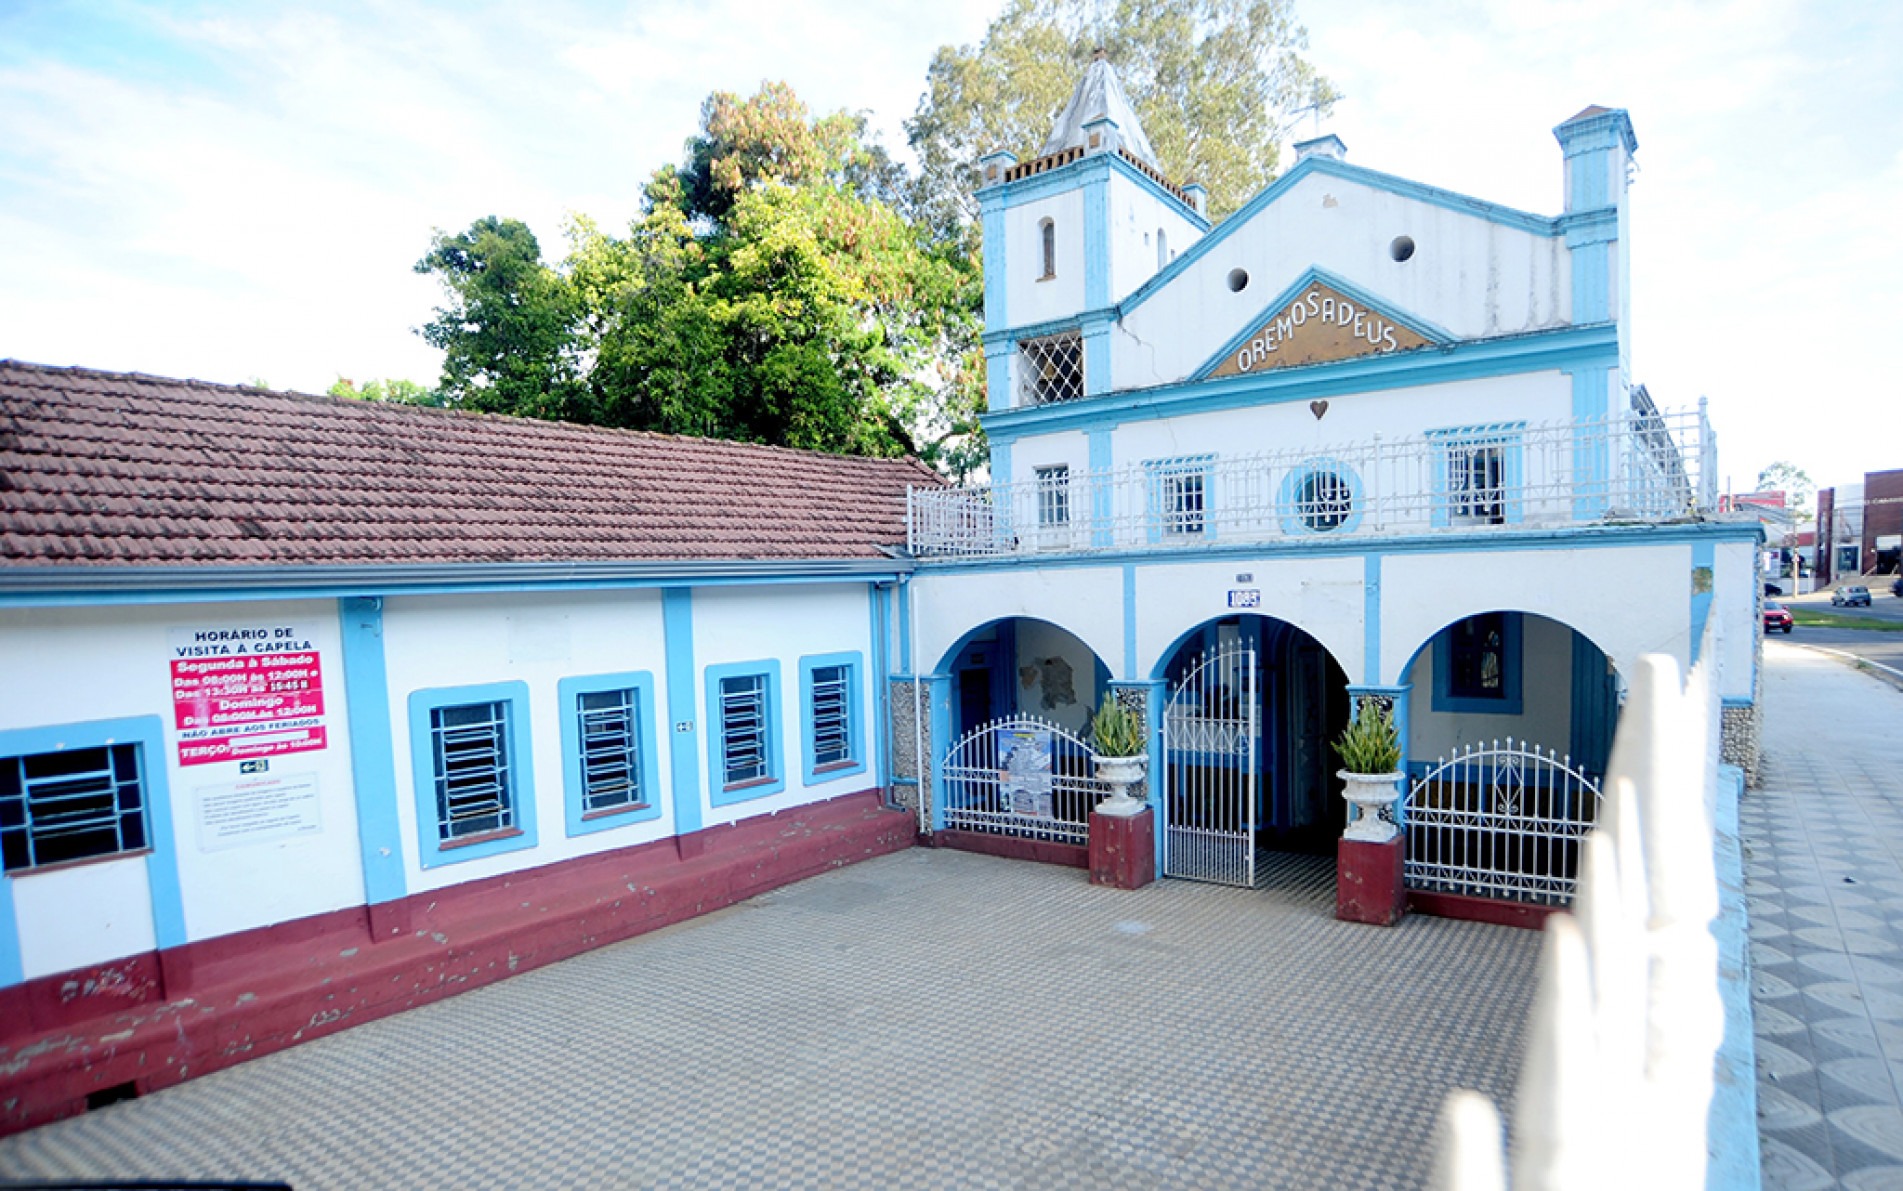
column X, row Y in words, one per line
column 244, row 692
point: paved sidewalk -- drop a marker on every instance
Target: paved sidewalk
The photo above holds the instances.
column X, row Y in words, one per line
column 1823, row 844
column 929, row 1019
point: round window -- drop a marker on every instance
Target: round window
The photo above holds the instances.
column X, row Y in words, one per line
column 1401, row 247
column 1325, row 501
column 1238, row 280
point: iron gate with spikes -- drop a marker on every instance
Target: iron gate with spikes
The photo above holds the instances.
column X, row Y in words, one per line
column 1212, row 738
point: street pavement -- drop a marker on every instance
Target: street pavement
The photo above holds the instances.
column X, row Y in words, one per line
column 927, row 1019
column 1823, row 860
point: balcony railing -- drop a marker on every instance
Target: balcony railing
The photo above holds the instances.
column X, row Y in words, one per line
column 1640, row 467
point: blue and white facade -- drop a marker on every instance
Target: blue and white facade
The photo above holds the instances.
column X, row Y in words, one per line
column 1383, row 433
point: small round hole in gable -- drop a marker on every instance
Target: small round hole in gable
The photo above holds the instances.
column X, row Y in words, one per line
column 1401, row 247
column 1238, row 280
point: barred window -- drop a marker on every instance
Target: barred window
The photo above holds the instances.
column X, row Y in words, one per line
column 1476, row 488
column 475, row 793
column 1051, row 369
column 831, row 700
column 1179, row 495
column 1053, row 495
column 743, row 730
column 610, row 750
column 72, row 804
column 1325, row 501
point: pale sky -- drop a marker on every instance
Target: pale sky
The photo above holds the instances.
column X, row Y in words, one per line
column 239, row 190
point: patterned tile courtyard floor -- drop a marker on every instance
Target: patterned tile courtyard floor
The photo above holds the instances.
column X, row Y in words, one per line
column 930, row 1019
column 1823, row 848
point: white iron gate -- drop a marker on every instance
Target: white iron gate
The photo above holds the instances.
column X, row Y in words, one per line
column 1022, row 777
column 1212, row 734
column 1500, row 820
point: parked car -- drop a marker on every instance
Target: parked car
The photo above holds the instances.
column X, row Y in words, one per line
column 1777, row 618
column 1896, row 589
column 1850, row 597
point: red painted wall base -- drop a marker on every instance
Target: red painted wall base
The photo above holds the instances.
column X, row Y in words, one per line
column 1123, row 850
column 1368, row 881
column 1480, row 909
column 1012, row 848
column 159, row 1019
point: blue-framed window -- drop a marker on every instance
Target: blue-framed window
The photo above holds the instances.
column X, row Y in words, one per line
column 832, row 727
column 1320, row 495
column 609, row 761
column 1180, row 495
column 1479, row 474
column 1477, row 665
column 1053, row 495
column 743, row 739
column 475, row 782
column 84, row 797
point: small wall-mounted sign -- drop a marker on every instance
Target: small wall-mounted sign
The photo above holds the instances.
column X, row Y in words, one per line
column 1245, row 577
column 684, row 726
column 259, row 766
column 1245, row 597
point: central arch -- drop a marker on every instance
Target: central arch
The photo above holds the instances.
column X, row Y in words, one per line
column 1252, row 705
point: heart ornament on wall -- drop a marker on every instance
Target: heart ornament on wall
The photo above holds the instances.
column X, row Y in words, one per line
column 1318, row 408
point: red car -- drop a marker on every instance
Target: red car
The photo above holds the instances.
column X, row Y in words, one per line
column 1777, row 618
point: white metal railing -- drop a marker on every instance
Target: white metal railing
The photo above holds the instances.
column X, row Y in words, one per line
column 1499, row 820
column 1022, row 777
column 1622, row 1043
column 1643, row 466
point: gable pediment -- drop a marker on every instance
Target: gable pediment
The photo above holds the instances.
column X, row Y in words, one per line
column 1318, row 321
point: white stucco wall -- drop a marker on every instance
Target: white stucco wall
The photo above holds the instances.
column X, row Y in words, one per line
column 1031, row 297
column 1469, row 276
column 1321, row 596
column 1087, row 601
column 1046, row 656
column 1136, row 215
column 72, row 665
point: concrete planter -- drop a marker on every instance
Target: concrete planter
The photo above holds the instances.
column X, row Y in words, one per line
column 1120, row 773
column 1369, row 793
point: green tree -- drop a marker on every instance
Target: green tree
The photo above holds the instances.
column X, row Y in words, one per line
column 1217, row 83
column 1792, row 480
column 397, row 392
column 510, row 331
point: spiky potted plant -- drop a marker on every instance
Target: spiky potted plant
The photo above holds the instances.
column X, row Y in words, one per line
column 1118, row 735
column 1370, row 752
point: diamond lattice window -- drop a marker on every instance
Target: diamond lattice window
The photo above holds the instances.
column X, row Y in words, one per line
column 1051, row 369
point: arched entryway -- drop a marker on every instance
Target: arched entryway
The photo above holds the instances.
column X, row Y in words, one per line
column 1252, row 705
column 1023, row 666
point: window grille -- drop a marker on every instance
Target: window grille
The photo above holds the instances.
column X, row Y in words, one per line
column 1051, row 369
column 1476, row 482
column 74, row 804
column 743, row 729
column 610, row 750
column 832, row 718
column 1325, row 501
column 474, row 787
column 1182, row 498
column 1053, row 495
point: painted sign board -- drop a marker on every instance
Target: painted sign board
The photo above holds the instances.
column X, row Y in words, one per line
column 1026, row 772
column 1245, row 597
column 241, row 692
column 257, row 810
column 1318, row 326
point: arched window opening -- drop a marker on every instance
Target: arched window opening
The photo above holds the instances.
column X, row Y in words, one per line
column 1047, row 233
column 1162, row 249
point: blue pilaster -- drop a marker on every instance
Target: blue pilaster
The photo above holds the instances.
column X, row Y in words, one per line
column 683, row 730
column 372, row 753
column 1102, row 459
column 939, row 695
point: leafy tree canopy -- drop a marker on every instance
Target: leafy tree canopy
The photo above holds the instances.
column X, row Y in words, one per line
column 1791, row 480
column 399, row 392
column 1217, row 83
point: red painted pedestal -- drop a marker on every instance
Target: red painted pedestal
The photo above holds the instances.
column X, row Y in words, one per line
column 1368, row 884
column 1123, row 849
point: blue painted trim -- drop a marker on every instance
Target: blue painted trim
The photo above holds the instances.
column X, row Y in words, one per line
column 905, row 628
column 161, row 851
column 295, row 586
column 683, row 747
column 1590, row 227
column 1704, row 554
column 1075, row 176
column 1563, row 350
column 568, row 693
column 1097, row 359
column 1592, row 283
column 939, row 705
column 719, row 793
column 1361, row 297
column 1538, row 225
column 1102, row 461
column 996, row 263
column 1097, row 241
column 1298, row 475
column 855, row 664
column 1129, row 622
column 1371, row 617
column 998, row 357
column 372, row 750
column 1057, row 326
column 1738, row 701
column 881, row 676
column 1512, row 702
column 432, row 851
column 1001, row 462
column 1592, row 452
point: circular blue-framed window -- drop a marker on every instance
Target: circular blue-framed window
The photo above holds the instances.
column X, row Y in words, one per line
column 1321, row 496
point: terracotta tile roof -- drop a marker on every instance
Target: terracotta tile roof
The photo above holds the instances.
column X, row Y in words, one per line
column 110, row 468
